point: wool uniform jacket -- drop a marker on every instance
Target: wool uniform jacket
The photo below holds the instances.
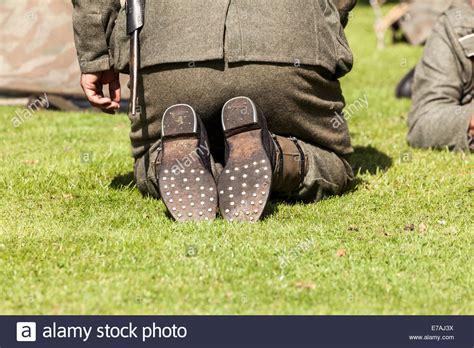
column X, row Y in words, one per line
column 306, row 32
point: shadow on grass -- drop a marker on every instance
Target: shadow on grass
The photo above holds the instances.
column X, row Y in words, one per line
column 365, row 160
column 123, row 182
column 369, row 160
column 271, row 209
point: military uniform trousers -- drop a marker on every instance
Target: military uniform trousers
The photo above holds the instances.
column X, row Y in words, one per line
column 303, row 102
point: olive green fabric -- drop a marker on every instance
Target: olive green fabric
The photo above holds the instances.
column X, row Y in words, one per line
column 305, row 32
column 443, row 88
column 298, row 101
column 93, row 23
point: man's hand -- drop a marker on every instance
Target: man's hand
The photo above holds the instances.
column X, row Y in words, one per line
column 92, row 85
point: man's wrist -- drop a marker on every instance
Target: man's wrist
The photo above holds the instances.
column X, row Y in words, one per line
column 96, row 66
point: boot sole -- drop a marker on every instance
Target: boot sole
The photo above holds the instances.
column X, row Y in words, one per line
column 186, row 186
column 244, row 185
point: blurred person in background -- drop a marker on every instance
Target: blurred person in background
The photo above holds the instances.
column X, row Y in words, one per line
column 442, row 114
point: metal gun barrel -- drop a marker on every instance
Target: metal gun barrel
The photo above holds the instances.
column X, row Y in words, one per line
column 135, row 21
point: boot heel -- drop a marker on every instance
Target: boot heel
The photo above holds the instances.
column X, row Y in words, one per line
column 239, row 113
column 179, row 120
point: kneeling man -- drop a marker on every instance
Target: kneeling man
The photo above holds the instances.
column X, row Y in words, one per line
column 236, row 99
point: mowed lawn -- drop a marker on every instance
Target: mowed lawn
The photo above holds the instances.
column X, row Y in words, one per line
column 76, row 237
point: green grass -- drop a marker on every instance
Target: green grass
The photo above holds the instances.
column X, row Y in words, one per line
column 76, row 238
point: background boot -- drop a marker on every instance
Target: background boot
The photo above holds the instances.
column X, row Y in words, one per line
column 405, row 86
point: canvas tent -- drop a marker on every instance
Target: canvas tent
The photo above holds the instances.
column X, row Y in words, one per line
column 37, row 53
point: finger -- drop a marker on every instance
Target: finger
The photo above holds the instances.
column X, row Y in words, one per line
column 94, row 98
column 113, row 106
column 99, row 90
column 114, row 90
column 106, row 109
column 109, row 105
column 93, row 92
column 100, row 106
